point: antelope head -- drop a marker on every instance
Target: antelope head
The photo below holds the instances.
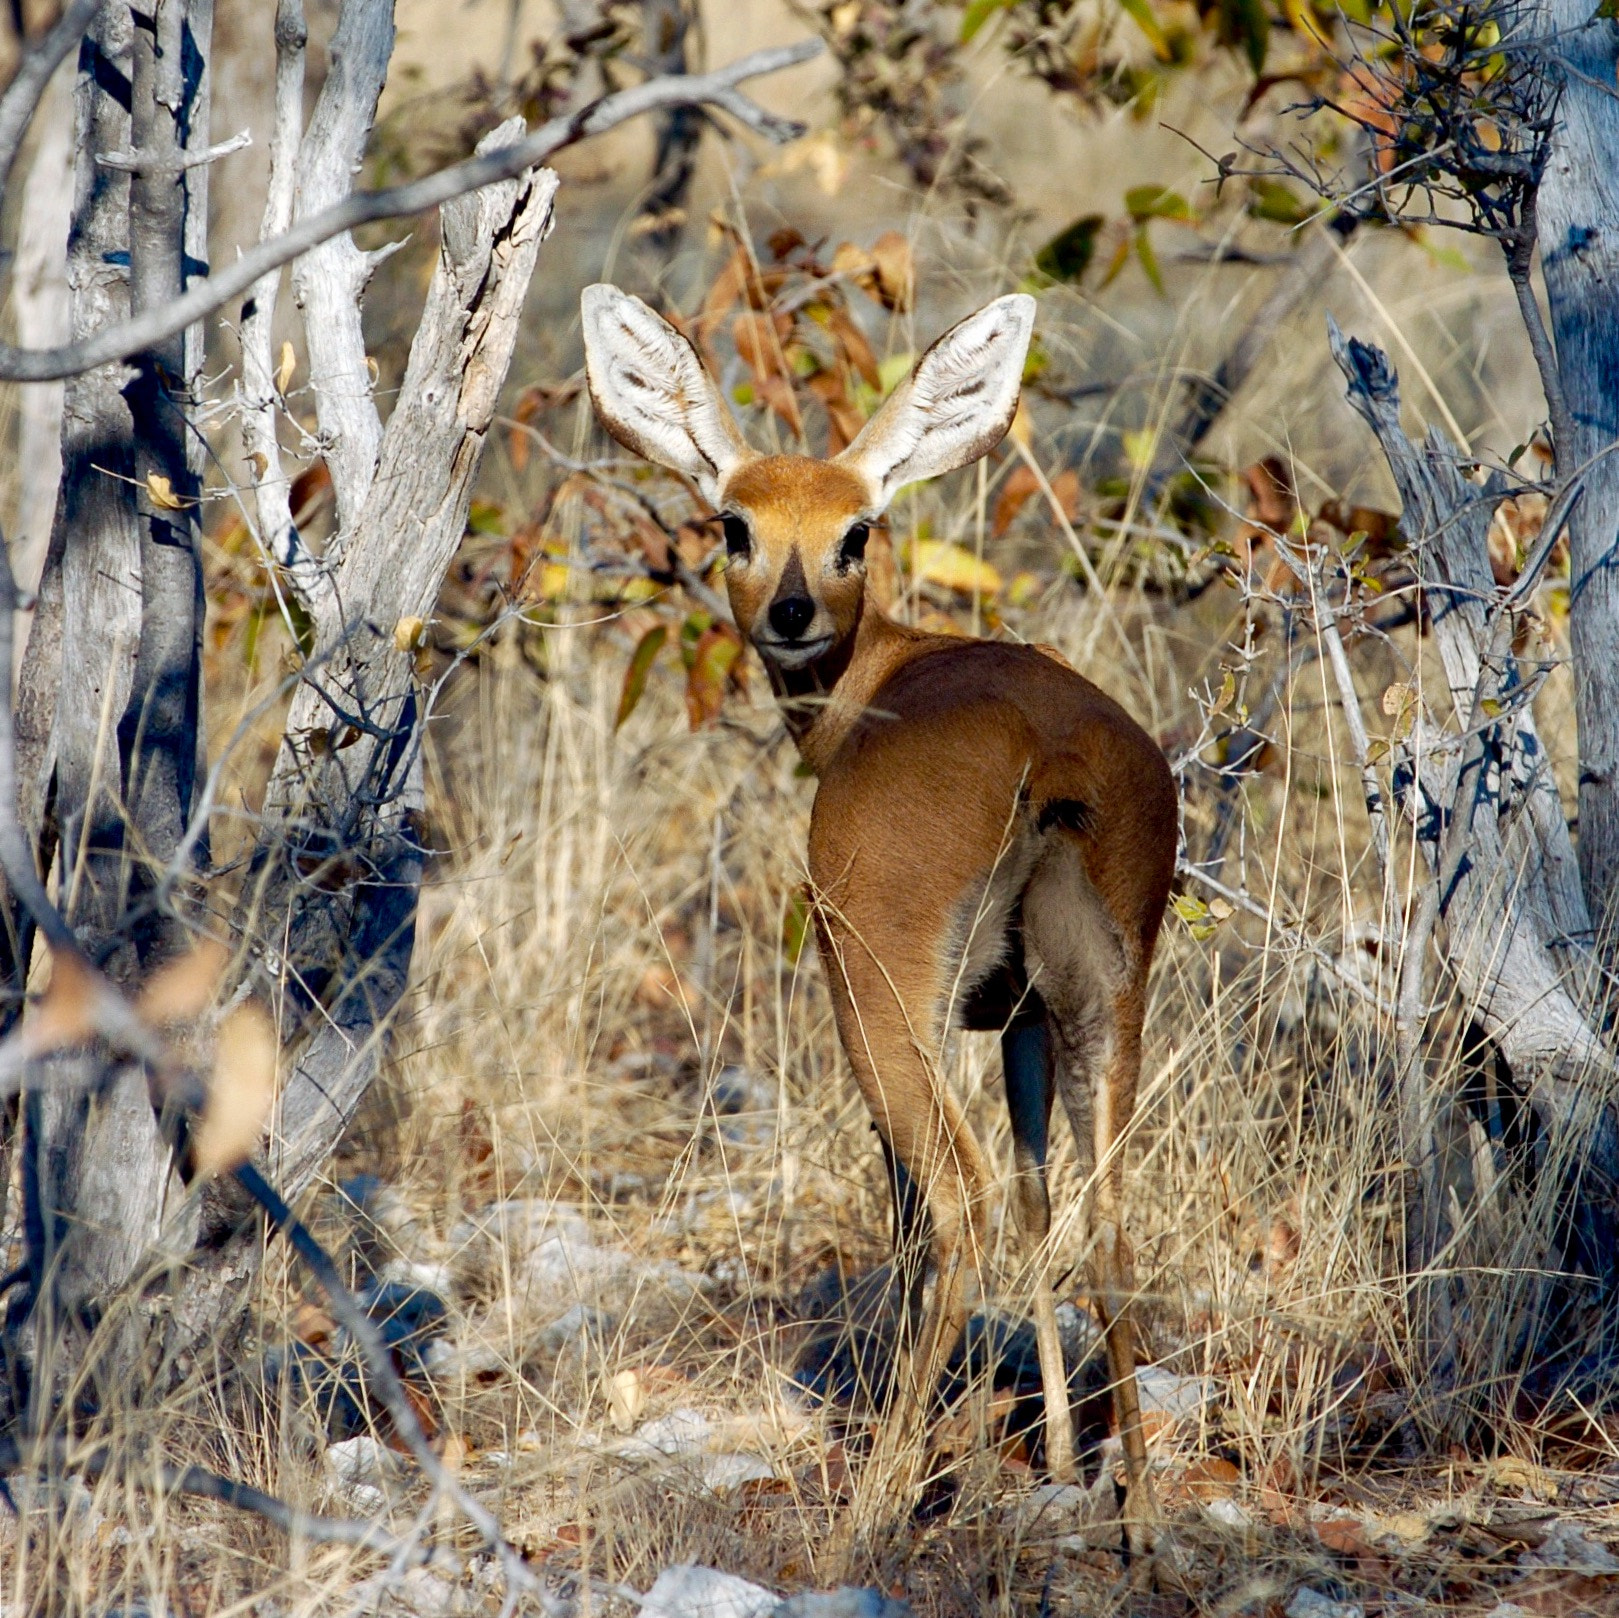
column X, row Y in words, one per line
column 796, row 527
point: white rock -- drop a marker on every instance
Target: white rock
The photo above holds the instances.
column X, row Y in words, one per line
column 1227, row 1513
column 681, row 1432
column 357, row 1460
column 578, row 1322
column 1168, row 1394
column 729, row 1470
column 1308, row 1603
column 364, row 1499
column 704, row 1592
column 1569, row 1548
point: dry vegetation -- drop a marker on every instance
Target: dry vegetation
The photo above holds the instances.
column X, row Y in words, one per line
column 618, row 1142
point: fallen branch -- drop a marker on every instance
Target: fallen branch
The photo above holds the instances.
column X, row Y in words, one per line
column 314, row 1527
column 399, row 201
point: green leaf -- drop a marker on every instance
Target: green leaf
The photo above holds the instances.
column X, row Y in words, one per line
column 1068, row 254
column 1247, row 23
column 486, row 517
column 1149, row 259
column 641, row 661
column 978, row 13
column 1270, row 199
column 1157, row 202
column 1142, row 15
column 795, row 926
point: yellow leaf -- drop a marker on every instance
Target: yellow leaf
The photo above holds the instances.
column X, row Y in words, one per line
column 285, row 367
column 260, row 462
column 1141, row 448
column 161, row 493
column 953, row 567
column 408, row 634
column 241, row 1095
column 626, row 1399
column 1228, row 690
column 1021, row 431
column 553, row 581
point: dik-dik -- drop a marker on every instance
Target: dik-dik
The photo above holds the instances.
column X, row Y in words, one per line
column 993, row 838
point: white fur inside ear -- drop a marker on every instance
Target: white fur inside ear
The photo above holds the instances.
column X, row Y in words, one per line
column 955, row 406
column 652, row 393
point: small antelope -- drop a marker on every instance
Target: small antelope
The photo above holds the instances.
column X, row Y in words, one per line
column 993, row 838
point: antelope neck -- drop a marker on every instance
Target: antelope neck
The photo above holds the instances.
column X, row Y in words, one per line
column 823, row 701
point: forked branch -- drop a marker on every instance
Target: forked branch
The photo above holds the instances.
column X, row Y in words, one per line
column 718, row 88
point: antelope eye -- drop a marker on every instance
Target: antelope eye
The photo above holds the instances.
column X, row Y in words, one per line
column 738, row 542
column 853, row 548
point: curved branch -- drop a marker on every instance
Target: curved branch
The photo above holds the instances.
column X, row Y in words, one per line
column 21, row 100
column 397, row 201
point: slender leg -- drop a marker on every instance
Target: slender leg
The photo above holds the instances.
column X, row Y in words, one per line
column 1026, row 1057
column 1115, row 1288
column 911, row 1236
column 924, row 1125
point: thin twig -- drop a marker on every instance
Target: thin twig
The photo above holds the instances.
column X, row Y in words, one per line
column 40, row 61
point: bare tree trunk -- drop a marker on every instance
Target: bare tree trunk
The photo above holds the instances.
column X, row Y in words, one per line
column 1578, row 215
column 1488, row 820
column 329, row 283
column 118, row 636
column 341, row 856
column 40, row 302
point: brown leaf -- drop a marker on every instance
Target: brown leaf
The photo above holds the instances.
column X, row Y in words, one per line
column 66, row 1014
column 408, row 633
column 713, row 668
column 853, row 342
column 896, row 270
column 311, row 1324
column 183, row 989
column 287, row 364
column 1345, row 1535
column 242, row 1092
column 842, row 413
column 310, row 489
column 1020, row 484
column 1271, row 497
column 1212, row 1478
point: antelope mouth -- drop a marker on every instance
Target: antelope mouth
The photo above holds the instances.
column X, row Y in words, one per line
column 793, row 654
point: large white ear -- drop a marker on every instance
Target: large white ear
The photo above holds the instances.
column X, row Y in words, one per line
column 956, row 404
column 651, row 391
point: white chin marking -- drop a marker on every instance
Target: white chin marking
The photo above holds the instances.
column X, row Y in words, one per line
column 797, row 656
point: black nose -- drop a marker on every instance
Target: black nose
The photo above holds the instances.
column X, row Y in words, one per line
column 790, row 615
